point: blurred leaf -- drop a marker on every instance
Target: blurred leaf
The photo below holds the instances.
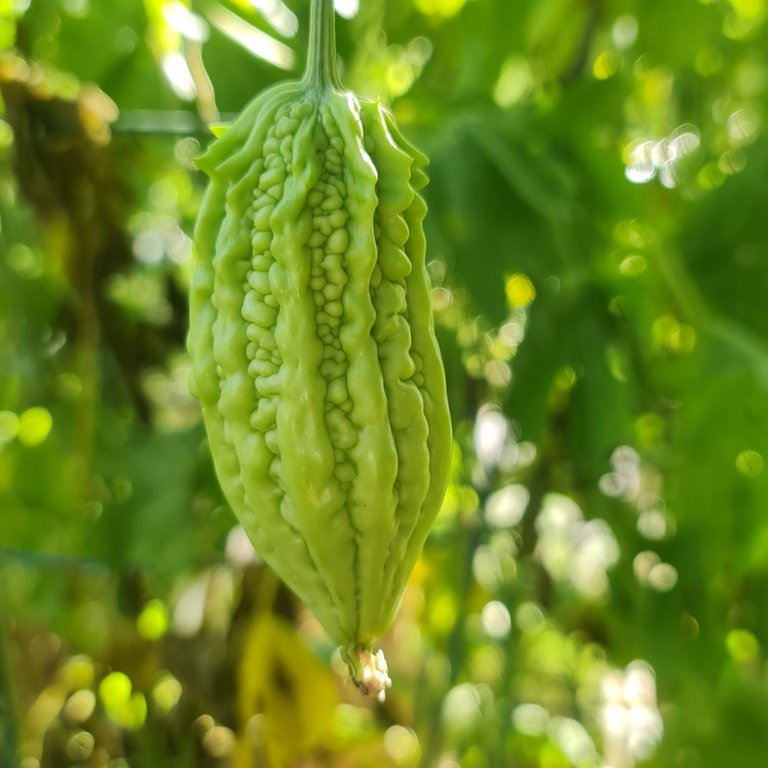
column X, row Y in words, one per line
column 149, row 516
column 290, row 692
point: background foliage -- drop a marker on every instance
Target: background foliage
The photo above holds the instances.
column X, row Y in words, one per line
column 595, row 590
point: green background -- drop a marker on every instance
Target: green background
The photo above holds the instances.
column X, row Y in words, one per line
column 595, row 590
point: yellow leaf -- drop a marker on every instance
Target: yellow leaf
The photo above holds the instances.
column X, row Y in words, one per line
column 286, row 696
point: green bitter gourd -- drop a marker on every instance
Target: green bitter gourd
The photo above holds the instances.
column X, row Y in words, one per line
column 313, row 351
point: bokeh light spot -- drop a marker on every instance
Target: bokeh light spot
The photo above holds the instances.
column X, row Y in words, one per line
column 655, row 85
column 497, row 373
column 505, row 508
column 490, row 435
column 643, row 563
column 515, row 81
column 624, row 31
column 347, row 8
column 239, row 549
column 742, row 126
column 662, row 577
column 34, row 426
column 732, row 161
column 80, row 746
column 519, row 290
column 606, row 65
column 750, row 463
column 219, row 741
column 462, row 708
column 9, row 426
column 24, row 261
column 185, row 22
column 152, row 622
column 708, row 62
column 530, row 719
column 177, row 72
column 166, row 693
column 126, row 708
column 574, row 740
column 115, row 691
column 565, row 378
column 69, row 385
column 710, row 176
column 752, row 10
column 742, row 645
column 402, row 745
column 530, row 618
column 671, row 335
column 633, row 265
column 440, row 8
column 76, row 673
column 80, row 706
column 496, row 620
column 652, row 524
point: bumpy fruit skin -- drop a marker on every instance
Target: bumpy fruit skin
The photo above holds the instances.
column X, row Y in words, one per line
column 313, row 350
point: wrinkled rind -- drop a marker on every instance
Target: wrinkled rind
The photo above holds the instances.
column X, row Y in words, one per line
column 313, row 351
column 305, row 445
column 254, row 499
column 433, row 385
column 394, row 338
column 375, row 456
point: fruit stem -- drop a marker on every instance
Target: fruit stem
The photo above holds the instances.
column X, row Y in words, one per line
column 322, row 71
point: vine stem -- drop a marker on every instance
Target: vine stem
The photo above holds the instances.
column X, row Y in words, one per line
column 322, row 70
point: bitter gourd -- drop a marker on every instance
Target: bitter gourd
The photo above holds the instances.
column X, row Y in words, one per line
column 313, row 350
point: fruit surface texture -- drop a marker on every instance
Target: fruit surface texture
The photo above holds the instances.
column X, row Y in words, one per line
column 312, row 343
